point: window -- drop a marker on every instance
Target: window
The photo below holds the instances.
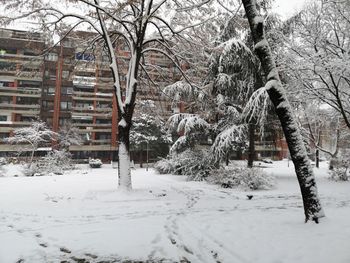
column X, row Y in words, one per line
column 65, row 74
column 6, row 84
column 5, row 100
column 52, row 57
column 63, row 105
column 63, row 121
column 30, row 84
column 69, row 90
column 4, row 135
column 51, row 90
column 49, row 121
column 3, row 118
column 47, row 104
column 84, row 56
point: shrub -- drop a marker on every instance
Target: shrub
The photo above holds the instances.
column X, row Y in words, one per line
column 247, row 178
column 3, row 161
column 55, row 162
column 164, row 166
column 341, row 165
column 193, row 163
column 95, row 163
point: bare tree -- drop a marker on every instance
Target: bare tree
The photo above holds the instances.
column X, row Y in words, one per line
column 277, row 94
column 143, row 25
column 69, row 135
column 318, row 50
column 34, row 136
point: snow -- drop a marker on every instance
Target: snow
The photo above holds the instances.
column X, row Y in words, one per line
column 166, row 217
column 261, row 44
column 124, row 167
column 122, row 123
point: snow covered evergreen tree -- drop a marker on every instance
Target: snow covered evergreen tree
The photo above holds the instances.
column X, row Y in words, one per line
column 149, row 133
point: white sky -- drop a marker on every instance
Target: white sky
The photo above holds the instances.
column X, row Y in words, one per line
column 287, row 8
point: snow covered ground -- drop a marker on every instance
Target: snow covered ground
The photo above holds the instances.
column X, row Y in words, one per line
column 81, row 216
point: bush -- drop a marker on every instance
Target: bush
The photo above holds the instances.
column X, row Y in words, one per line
column 95, row 163
column 340, row 165
column 164, row 166
column 193, row 163
column 3, row 161
column 55, row 162
column 247, row 178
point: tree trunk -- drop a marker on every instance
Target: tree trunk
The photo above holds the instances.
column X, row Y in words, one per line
column 124, row 175
column 317, row 158
column 141, row 159
column 251, row 155
column 312, row 206
column 32, row 157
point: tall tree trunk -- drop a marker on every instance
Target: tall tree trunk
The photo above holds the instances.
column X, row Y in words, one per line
column 312, row 206
column 124, row 174
column 317, row 158
column 251, row 155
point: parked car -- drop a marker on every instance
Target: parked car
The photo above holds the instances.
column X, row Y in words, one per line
column 95, row 163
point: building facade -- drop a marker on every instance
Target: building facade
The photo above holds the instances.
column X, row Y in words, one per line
column 69, row 84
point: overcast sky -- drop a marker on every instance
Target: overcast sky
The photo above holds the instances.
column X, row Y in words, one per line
column 286, row 8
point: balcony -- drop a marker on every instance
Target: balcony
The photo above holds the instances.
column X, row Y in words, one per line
column 84, row 131
column 23, row 112
column 21, row 92
column 29, row 75
column 84, row 81
column 82, row 66
column 18, row 106
column 92, row 114
column 91, row 108
column 101, row 94
column 18, row 34
column 82, row 117
column 106, row 147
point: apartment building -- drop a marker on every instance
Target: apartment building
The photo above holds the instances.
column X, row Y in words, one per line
column 68, row 84
column 21, row 80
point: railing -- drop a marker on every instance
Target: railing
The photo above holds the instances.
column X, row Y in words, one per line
column 10, row 105
column 21, row 92
column 23, row 112
column 8, row 33
column 79, row 80
column 76, row 124
column 91, row 108
column 79, row 98
column 29, row 75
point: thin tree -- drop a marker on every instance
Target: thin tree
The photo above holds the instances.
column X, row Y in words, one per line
column 312, row 206
column 32, row 137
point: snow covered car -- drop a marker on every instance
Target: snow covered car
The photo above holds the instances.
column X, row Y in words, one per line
column 95, row 163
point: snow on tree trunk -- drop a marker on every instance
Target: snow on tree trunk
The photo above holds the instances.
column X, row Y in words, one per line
column 124, row 174
column 312, row 206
